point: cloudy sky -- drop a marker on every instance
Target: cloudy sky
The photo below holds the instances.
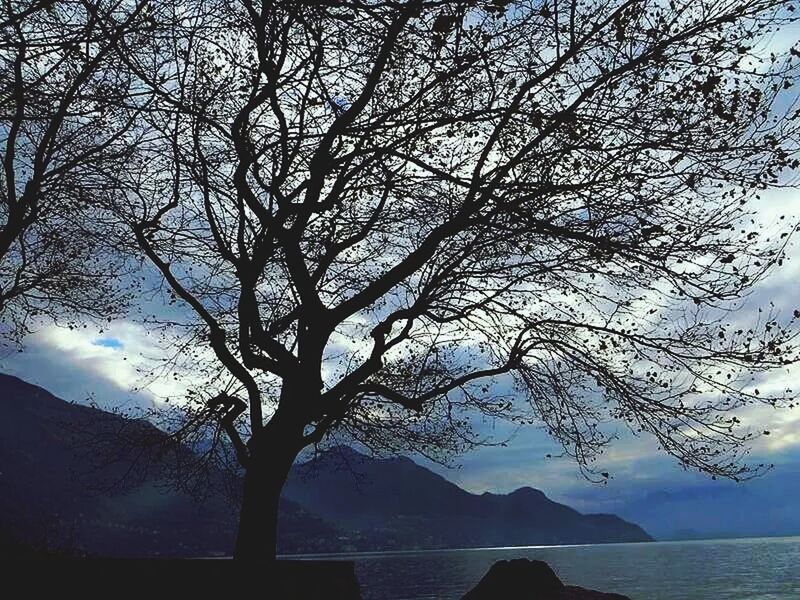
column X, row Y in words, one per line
column 106, row 367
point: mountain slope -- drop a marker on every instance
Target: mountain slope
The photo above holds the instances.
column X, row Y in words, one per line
column 396, row 503
column 84, row 480
column 77, row 478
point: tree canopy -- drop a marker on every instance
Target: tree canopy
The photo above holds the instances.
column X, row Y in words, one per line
column 61, row 125
column 386, row 217
column 389, row 207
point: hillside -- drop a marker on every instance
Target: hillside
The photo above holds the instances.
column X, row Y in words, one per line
column 395, row 503
column 87, row 481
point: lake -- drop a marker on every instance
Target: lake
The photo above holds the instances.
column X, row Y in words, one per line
column 736, row 569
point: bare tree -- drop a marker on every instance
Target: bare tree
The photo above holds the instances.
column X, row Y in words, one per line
column 61, row 129
column 388, row 217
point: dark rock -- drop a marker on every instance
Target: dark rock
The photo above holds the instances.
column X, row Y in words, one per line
column 518, row 578
column 523, row 579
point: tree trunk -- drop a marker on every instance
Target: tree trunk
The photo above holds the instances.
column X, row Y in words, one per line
column 271, row 458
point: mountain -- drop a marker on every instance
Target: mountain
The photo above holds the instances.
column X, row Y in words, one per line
column 86, row 481
column 395, row 503
column 765, row 506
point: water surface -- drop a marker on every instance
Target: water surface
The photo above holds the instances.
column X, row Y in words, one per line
column 738, row 569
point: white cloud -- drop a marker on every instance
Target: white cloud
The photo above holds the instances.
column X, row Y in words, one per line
column 109, row 366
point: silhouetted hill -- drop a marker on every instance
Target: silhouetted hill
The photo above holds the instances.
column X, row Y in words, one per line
column 78, row 479
column 395, row 503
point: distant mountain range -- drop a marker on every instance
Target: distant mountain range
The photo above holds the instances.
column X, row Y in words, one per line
column 765, row 506
column 395, row 503
column 83, row 480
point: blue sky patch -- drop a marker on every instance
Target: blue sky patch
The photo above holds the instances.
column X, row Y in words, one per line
column 108, row 343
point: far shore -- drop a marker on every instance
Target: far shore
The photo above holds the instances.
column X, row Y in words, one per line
column 352, row 555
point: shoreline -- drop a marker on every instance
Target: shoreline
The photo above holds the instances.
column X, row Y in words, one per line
column 382, row 553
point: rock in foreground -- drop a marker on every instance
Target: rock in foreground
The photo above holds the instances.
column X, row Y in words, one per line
column 523, row 579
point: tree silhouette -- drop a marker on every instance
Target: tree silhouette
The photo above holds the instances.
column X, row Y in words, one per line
column 60, row 92
column 388, row 217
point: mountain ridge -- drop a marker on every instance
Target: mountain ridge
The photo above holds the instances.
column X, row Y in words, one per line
column 322, row 510
column 421, row 509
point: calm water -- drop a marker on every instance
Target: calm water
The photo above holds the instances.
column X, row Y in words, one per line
column 746, row 569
